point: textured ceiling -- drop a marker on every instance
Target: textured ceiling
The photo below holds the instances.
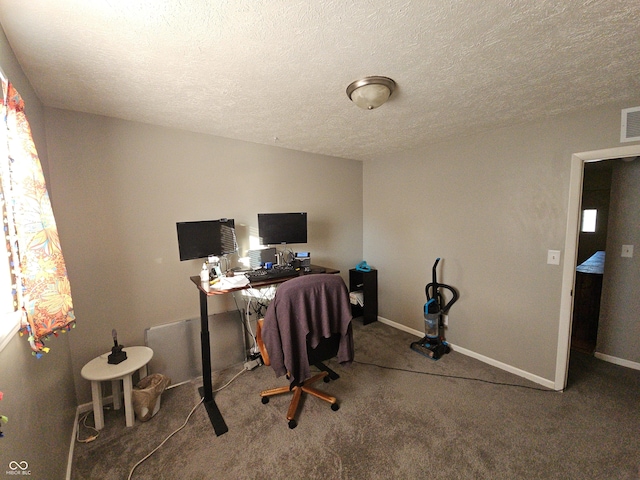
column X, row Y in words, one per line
column 275, row 71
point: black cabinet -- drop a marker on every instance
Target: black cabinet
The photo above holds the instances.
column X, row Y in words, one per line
column 367, row 283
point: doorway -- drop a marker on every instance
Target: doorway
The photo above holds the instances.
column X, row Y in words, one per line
column 592, row 242
column 578, row 160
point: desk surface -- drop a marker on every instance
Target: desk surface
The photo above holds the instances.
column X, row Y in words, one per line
column 263, row 283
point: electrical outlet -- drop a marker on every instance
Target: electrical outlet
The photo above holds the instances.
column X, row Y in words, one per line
column 627, row 251
column 553, row 257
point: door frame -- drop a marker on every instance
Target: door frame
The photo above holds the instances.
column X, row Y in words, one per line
column 571, row 250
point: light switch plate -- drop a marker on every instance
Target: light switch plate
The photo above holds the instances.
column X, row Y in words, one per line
column 627, row 251
column 553, row 257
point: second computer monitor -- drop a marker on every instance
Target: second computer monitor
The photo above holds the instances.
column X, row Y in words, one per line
column 205, row 238
column 282, row 228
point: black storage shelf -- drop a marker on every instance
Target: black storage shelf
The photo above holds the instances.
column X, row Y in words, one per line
column 367, row 283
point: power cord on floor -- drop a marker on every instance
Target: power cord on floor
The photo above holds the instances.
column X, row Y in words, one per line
column 83, row 421
column 182, row 426
column 457, row 377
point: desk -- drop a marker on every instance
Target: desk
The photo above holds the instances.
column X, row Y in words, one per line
column 99, row 370
column 218, row 423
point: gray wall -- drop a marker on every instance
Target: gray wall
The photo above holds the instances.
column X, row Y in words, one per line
column 619, row 324
column 122, row 186
column 39, row 396
column 491, row 206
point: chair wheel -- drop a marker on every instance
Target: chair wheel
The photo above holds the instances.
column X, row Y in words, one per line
column 265, row 400
column 293, row 424
column 327, row 379
column 335, row 407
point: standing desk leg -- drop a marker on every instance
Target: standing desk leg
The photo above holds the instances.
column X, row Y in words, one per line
column 218, row 423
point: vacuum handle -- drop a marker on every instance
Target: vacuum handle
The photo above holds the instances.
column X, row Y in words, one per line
column 437, row 296
column 453, row 300
column 433, row 272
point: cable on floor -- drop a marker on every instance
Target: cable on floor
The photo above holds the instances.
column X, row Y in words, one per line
column 182, row 426
column 83, row 421
column 457, row 377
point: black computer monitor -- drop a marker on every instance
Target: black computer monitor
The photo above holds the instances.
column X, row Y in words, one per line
column 206, row 238
column 282, row 228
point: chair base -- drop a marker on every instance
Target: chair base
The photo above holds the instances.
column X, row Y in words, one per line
column 297, row 395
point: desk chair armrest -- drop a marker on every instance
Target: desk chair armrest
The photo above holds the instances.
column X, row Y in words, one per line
column 261, row 345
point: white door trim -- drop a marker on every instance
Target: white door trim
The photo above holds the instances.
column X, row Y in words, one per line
column 571, row 250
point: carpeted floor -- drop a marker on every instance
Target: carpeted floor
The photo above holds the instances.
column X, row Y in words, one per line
column 409, row 420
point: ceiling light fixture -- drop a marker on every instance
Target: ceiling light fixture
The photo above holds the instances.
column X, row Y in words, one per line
column 371, row 92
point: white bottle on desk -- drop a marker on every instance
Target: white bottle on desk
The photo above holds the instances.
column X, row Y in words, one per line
column 204, row 277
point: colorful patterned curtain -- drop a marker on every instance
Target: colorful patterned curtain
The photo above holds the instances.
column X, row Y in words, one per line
column 42, row 287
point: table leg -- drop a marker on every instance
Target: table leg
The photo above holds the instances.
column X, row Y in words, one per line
column 96, row 396
column 218, row 423
column 116, row 393
column 128, row 405
column 143, row 372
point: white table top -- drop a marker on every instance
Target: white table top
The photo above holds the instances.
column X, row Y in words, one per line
column 99, row 369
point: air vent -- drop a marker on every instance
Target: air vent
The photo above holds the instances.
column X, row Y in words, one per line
column 630, row 128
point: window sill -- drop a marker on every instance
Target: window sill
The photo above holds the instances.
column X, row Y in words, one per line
column 12, row 319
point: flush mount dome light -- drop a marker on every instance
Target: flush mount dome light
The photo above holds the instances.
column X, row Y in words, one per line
column 371, row 92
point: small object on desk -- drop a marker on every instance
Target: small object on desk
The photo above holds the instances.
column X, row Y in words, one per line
column 303, row 260
column 204, row 277
column 117, row 355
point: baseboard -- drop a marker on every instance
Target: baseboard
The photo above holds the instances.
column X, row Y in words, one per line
column 399, row 326
column 72, row 445
column 617, row 361
column 80, row 409
column 490, row 361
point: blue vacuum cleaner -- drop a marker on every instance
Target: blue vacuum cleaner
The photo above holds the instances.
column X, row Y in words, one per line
column 433, row 344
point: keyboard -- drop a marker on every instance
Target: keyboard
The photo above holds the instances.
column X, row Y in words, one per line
column 262, row 274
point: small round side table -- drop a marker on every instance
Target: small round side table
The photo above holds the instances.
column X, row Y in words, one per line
column 99, row 370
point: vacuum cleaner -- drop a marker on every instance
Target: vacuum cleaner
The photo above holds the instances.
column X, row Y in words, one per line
column 433, row 344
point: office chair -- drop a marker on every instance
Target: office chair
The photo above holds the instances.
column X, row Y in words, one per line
column 308, row 322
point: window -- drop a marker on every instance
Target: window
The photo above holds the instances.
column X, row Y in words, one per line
column 33, row 276
column 9, row 324
column 9, row 314
column 589, row 217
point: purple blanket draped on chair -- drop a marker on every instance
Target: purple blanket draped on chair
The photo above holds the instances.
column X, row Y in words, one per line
column 307, row 308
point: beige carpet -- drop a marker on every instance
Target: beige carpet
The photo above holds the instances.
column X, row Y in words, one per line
column 392, row 423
